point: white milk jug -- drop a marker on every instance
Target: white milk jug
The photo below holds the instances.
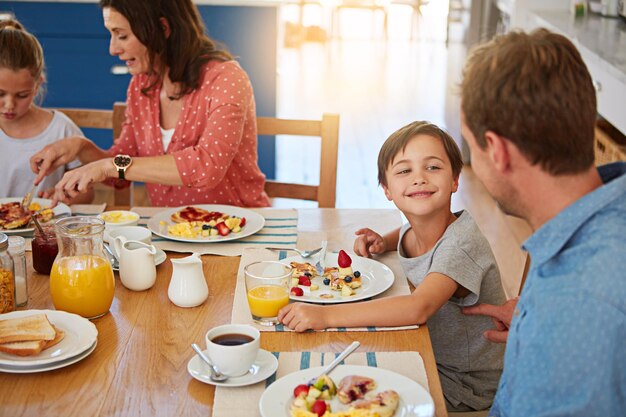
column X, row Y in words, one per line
column 188, row 286
column 137, row 267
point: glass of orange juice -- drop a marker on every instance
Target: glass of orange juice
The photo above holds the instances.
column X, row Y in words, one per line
column 267, row 286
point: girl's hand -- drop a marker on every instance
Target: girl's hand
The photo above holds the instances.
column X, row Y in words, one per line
column 80, row 180
column 369, row 242
column 302, row 316
column 57, row 154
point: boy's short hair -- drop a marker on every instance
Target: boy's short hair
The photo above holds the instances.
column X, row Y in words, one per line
column 535, row 90
column 399, row 139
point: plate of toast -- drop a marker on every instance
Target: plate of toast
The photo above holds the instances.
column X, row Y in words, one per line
column 36, row 340
column 15, row 219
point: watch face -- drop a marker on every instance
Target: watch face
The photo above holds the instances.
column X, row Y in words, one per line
column 122, row 160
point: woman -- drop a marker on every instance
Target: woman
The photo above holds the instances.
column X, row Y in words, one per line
column 190, row 132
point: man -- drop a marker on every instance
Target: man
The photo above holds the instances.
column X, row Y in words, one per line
column 528, row 115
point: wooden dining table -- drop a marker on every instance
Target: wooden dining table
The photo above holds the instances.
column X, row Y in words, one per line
column 139, row 367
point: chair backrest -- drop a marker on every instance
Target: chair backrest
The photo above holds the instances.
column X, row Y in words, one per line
column 327, row 130
column 104, row 119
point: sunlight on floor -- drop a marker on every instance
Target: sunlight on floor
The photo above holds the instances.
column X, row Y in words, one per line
column 376, row 86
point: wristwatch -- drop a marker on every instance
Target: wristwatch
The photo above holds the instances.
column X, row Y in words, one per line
column 122, row 162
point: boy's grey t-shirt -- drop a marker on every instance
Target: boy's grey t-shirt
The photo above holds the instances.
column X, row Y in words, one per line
column 15, row 156
column 469, row 365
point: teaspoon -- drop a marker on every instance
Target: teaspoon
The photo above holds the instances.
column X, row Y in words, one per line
column 216, row 375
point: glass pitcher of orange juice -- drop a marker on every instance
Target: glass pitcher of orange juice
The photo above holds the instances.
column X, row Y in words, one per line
column 81, row 279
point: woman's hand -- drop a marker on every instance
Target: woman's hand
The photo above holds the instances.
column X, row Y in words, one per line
column 57, row 154
column 369, row 242
column 302, row 316
column 80, row 180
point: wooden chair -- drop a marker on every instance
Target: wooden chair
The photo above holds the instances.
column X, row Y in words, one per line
column 328, row 131
column 104, row 119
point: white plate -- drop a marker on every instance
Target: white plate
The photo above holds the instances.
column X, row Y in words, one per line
column 49, row 367
column 254, row 223
column 80, row 335
column 263, row 367
column 44, row 202
column 415, row 401
column 376, row 278
column 159, row 258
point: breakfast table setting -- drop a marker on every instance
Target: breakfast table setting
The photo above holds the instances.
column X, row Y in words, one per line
column 174, row 287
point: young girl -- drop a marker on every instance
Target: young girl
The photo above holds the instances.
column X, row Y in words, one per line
column 443, row 254
column 24, row 127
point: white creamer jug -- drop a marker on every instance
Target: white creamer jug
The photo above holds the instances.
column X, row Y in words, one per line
column 188, row 286
column 137, row 267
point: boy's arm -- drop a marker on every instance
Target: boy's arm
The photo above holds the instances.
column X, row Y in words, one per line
column 369, row 242
column 402, row 310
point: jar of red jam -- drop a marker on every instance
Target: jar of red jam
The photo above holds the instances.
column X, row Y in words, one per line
column 45, row 249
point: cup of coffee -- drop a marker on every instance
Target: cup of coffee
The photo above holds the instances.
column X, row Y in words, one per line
column 233, row 348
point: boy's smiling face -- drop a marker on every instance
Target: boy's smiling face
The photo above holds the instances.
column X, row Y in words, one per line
column 419, row 179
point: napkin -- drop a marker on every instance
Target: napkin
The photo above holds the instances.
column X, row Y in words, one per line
column 279, row 230
column 244, row 401
column 241, row 311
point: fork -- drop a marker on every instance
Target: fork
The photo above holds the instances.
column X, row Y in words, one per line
column 302, row 253
column 28, row 197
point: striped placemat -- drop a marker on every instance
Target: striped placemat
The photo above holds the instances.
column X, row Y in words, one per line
column 279, row 230
column 241, row 311
column 244, row 401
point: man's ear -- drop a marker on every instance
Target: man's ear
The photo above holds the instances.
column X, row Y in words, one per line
column 498, row 151
column 166, row 27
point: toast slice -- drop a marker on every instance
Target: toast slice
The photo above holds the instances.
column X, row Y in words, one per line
column 32, row 347
column 24, row 329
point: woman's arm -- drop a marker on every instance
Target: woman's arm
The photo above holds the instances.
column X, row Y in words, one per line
column 61, row 153
column 426, row 300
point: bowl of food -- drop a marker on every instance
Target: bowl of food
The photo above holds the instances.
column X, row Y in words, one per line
column 119, row 218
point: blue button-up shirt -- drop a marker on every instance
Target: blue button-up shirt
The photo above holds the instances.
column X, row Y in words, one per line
column 566, row 349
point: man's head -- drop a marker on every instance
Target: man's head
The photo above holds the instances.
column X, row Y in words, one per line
column 535, row 91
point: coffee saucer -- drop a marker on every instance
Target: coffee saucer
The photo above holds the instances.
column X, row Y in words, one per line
column 263, row 367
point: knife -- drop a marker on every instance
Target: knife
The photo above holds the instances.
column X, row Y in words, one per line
column 319, row 266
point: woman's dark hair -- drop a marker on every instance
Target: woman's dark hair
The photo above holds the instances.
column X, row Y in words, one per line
column 184, row 52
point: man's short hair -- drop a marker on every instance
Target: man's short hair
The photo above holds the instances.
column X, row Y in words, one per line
column 399, row 139
column 535, row 90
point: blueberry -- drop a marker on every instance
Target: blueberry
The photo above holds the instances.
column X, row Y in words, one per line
column 348, row 279
column 326, row 281
column 324, row 387
column 308, row 274
column 357, row 274
column 205, row 227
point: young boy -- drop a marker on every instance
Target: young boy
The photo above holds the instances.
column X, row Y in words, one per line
column 446, row 258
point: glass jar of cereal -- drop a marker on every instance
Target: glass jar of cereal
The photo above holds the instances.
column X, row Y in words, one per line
column 7, row 280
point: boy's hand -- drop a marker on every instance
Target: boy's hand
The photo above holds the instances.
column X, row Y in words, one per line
column 368, row 242
column 500, row 315
column 302, row 316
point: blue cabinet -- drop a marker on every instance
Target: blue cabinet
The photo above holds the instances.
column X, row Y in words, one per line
column 79, row 67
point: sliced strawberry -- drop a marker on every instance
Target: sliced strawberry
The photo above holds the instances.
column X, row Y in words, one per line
column 319, row 407
column 301, row 389
column 222, row 229
column 297, row 291
column 304, row 280
column 243, row 222
column 344, row 260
